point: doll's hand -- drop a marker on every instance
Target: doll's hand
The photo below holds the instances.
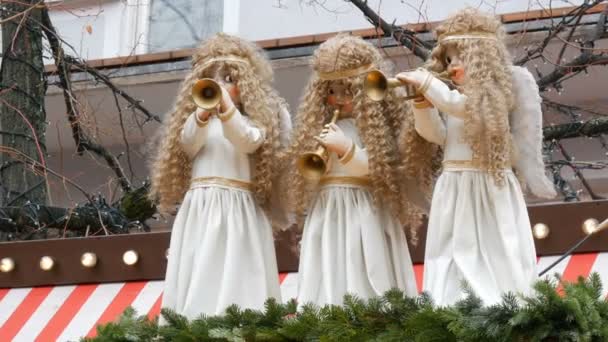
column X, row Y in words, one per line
column 226, row 101
column 203, row 115
column 333, row 138
column 415, row 78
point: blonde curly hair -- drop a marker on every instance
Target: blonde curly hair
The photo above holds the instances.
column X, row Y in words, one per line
column 487, row 85
column 378, row 124
column 172, row 168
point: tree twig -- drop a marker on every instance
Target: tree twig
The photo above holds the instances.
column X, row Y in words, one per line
column 578, row 172
column 404, row 36
column 83, row 142
column 581, row 62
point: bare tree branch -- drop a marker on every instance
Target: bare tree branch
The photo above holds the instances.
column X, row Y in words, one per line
column 579, row 16
column 590, row 128
column 124, row 135
column 404, row 36
column 554, row 31
column 578, row 172
column 577, row 65
column 586, row 58
column 82, row 140
column 82, row 66
column 131, row 211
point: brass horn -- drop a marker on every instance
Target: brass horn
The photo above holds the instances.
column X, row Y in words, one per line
column 376, row 85
column 313, row 165
column 206, row 93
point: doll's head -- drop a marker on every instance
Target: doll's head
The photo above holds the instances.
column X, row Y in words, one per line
column 472, row 42
column 242, row 68
column 340, row 65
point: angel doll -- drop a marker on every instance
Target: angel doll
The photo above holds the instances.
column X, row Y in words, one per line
column 352, row 240
column 220, row 165
column 479, row 231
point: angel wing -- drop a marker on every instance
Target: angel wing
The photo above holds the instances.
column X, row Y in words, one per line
column 284, row 126
column 280, row 218
column 527, row 131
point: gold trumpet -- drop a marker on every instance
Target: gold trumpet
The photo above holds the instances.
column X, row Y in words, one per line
column 377, row 85
column 206, row 93
column 313, row 165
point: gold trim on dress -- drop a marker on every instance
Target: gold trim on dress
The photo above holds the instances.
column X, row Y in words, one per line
column 339, row 74
column 345, row 180
column 466, row 164
column 461, row 164
column 228, row 114
column 221, row 181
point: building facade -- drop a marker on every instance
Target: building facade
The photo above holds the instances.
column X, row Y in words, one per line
column 144, row 46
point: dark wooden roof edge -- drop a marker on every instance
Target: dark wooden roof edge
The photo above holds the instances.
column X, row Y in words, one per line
column 563, row 219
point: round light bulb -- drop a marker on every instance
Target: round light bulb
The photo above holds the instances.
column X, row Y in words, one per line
column 7, row 265
column 167, row 254
column 540, row 231
column 47, row 263
column 590, row 226
column 130, row 257
column 88, row 259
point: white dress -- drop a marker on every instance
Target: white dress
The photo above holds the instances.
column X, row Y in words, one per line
column 221, row 249
column 478, row 232
column 348, row 244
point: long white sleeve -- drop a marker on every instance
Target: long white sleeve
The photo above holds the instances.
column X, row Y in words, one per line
column 448, row 101
column 194, row 135
column 429, row 124
column 240, row 132
column 356, row 161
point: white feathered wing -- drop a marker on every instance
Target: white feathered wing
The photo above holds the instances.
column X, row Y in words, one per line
column 280, row 217
column 526, row 128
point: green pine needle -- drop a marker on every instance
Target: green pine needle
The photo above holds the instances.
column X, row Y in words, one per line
column 557, row 311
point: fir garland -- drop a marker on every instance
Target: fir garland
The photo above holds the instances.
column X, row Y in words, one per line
column 559, row 311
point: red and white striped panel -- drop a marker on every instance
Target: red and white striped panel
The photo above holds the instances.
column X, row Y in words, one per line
column 66, row 313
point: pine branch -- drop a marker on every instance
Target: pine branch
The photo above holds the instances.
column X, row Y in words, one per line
column 580, row 314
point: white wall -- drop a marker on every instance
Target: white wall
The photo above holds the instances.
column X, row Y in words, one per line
column 176, row 24
column 270, row 19
column 102, row 29
column 121, row 27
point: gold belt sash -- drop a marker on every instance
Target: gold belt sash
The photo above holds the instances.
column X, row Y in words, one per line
column 464, row 165
column 461, row 164
column 356, row 181
column 221, row 181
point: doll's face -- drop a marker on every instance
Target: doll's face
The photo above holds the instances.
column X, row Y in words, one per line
column 221, row 74
column 339, row 96
column 454, row 64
